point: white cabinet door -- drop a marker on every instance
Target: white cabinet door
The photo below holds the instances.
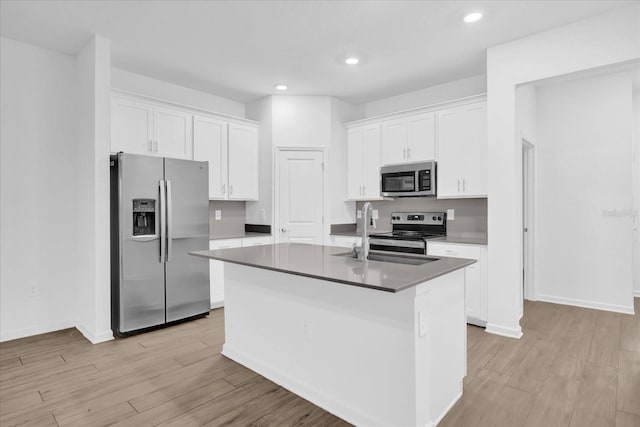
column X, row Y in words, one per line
column 355, row 163
column 131, row 126
column 475, row 282
column 449, row 153
column 371, row 162
column 474, row 149
column 421, row 137
column 394, row 142
column 172, row 133
column 243, row 162
column 210, row 144
column 216, row 270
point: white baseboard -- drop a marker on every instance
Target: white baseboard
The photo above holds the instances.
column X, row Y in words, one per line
column 217, row 304
column 95, row 338
column 323, row 400
column 35, row 330
column 446, row 411
column 587, row 304
column 505, row 331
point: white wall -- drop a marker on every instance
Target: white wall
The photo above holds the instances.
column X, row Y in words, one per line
column 38, row 195
column 608, row 39
column 153, row 88
column 584, row 193
column 261, row 211
column 93, row 186
column 449, row 91
column 303, row 121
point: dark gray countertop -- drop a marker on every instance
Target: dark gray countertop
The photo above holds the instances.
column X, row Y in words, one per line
column 319, row 262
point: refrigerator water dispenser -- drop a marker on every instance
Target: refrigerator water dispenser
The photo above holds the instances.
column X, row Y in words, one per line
column 144, row 217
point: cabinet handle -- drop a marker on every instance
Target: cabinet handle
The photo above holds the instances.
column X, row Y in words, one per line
column 230, row 189
column 404, row 154
column 150, row 146
column 223, row 188
column 408, row 153
column 464, row 185
column 284, row 230
column 156, row 146
column 364, row 190
column 458, row 185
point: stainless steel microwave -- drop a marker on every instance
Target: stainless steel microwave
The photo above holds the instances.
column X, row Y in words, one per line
column 408, row 179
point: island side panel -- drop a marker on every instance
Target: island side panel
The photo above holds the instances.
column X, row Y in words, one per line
column 442, row 341
column 354, row 351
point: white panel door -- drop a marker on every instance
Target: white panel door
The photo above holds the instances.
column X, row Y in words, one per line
column 355, row 163
column 210, row 144
column 301, row 193
column 474, row 149
column 131, row 126
column 243, row 162
column 371, row 177
column 394, row 141
column 421, row 137
column 172, row 133
column 449, row 152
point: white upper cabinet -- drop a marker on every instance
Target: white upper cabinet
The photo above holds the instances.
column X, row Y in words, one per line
column 462, row 151
column 232, row 152
column 139, row 127
column 172, row 133
column 243, row 162
column 363, row 162
column 131, row 126
column 210, row 144
column 408, row 139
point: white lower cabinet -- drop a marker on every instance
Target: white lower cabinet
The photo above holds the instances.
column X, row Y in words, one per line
column 216, row 268
column 475, row 276
column 345, row 241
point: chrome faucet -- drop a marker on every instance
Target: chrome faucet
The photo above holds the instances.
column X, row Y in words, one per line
column 363, row 252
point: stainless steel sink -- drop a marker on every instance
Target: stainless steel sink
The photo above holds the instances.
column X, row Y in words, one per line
column 397, row 259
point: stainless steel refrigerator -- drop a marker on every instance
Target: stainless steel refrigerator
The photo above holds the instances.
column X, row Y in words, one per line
column 159, row 213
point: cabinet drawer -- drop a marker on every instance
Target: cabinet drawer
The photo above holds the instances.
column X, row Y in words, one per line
column 345, row 241
column 454, row 250
column 257, row 241
column 225, row 244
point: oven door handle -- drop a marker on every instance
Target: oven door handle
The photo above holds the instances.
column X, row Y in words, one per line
column 397, row 243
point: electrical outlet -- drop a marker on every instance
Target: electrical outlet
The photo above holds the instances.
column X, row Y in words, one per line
column 33, row 289
column 358, row 214
column 218, row 214
column 374, row 214
column 451, row 214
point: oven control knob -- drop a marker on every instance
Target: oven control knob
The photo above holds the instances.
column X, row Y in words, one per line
column 433, row 218
column 439, row 218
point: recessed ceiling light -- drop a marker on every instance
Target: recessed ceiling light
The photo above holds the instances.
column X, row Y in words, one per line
column 352, row 60
column 281, row 87
column 472, row 17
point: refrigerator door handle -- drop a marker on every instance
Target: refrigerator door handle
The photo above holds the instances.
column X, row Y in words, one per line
column 169, row 222
column 163, row 219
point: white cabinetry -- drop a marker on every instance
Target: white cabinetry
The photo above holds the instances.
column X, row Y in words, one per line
column 216, row 268
column 462, row 151
column 139, row 127
column 475, row 276
column 408, row 139
column 232, row 152
column 243, row 162
column 363, row 162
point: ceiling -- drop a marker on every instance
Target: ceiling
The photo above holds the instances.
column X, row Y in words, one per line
column 241, row 49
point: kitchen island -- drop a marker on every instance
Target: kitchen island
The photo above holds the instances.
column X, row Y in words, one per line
column 377, row 343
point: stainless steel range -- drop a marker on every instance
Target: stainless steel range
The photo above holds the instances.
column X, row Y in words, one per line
column 411, row 230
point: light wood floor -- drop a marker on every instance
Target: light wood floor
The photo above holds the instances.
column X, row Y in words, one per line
column 573, row 367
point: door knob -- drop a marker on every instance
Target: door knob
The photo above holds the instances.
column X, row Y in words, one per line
column 284, row 230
